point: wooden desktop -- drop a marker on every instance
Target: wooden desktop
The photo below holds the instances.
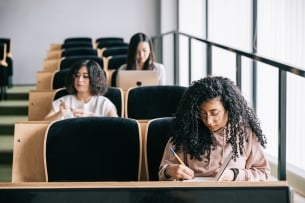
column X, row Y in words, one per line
column 144, row 191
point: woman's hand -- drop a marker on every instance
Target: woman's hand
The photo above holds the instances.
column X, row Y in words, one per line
column 227, row 175
column 81, row 113
column 63, row 108
column 179, row 172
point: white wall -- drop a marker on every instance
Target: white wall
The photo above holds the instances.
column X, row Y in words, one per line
column 34, row 24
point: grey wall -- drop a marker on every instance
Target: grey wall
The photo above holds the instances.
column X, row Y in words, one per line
column 34, row 24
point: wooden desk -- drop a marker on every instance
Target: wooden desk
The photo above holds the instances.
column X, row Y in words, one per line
column 154, row 192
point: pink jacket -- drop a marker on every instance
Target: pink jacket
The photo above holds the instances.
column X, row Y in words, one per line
column 253, row 165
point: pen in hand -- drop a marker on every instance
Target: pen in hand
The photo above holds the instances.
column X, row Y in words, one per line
column 177, row 157
column 62, row 101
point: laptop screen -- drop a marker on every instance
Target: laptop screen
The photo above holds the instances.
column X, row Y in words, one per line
column 133, row 78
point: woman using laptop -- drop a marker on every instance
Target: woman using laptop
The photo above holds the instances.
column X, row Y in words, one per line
column 86, row 83
column 141, row 56
column 214, row 121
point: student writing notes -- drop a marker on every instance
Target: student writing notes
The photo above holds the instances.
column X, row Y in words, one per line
column 213, row 120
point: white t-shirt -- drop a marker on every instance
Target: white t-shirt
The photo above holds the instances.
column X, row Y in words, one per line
column 99, row 105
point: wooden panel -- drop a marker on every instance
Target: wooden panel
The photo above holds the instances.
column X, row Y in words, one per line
column 55, row 46
column 40, row 103
column 54, row 54
column 51, row 65
column 28, row 151
column 145, row 184
column 143, row 124
column 44, row 80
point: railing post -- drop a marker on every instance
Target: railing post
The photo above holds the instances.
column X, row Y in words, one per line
column 190, row 60
column 209, row 59
column 282, row 124
column 238, row 70
column 254, row 51
column 158, row 48
column 176, row 58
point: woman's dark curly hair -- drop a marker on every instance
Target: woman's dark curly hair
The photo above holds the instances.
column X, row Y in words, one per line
column 97, row 77
column 193, row 137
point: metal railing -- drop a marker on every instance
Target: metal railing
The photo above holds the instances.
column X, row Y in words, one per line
column 283, row 69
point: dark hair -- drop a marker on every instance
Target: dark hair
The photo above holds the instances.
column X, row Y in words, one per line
column 193, row 137
column 97, row 77
column 132, row 51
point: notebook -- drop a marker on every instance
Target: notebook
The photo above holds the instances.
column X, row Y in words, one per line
column 218, row 175
column 133, row 78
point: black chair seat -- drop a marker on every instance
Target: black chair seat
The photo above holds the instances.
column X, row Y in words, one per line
column 107, row 39
column 93, row 149
column 78, row 39
column 111, row 51
column 149, row 102
column 67, row 62
column 157, row 135
column 79, row 51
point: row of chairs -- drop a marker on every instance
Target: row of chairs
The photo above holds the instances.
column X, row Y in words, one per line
column 142, row 103
column 89, row 149
column 87, row 46
column 54, row 79
column 111, row 49
column 109, row 52
column 104, row 149
column 72, row 42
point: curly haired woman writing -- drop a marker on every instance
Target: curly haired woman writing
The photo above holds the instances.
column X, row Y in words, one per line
column 214, row 120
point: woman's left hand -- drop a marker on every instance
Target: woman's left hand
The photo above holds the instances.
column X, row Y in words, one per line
column 78, row 112
column 81, row 113
column 227, row 175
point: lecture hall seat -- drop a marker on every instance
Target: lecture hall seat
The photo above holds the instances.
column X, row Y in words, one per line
column 93, row 149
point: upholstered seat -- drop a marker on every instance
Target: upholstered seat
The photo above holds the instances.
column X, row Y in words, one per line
column 157, row 134
column 112, row 51
column 93, row 149
column 145, row 103
column 79, row 51
column 3, row 71
column 107, row 44
column 59, row 77
column 8, row 60
column 67, row 62
column 113, row 63
column 75, row 44
column 107, row 39
column 149, row 102
column 78, row 39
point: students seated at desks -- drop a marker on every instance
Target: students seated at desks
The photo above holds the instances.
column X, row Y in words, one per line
column 86, row 83
column 212, row 121
column 141, row 56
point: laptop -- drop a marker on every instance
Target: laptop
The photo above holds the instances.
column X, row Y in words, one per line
column 219, row 173
column 133, row 78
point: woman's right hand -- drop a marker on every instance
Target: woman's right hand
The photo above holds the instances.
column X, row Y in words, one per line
column 179, row 172
column 63, row 108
